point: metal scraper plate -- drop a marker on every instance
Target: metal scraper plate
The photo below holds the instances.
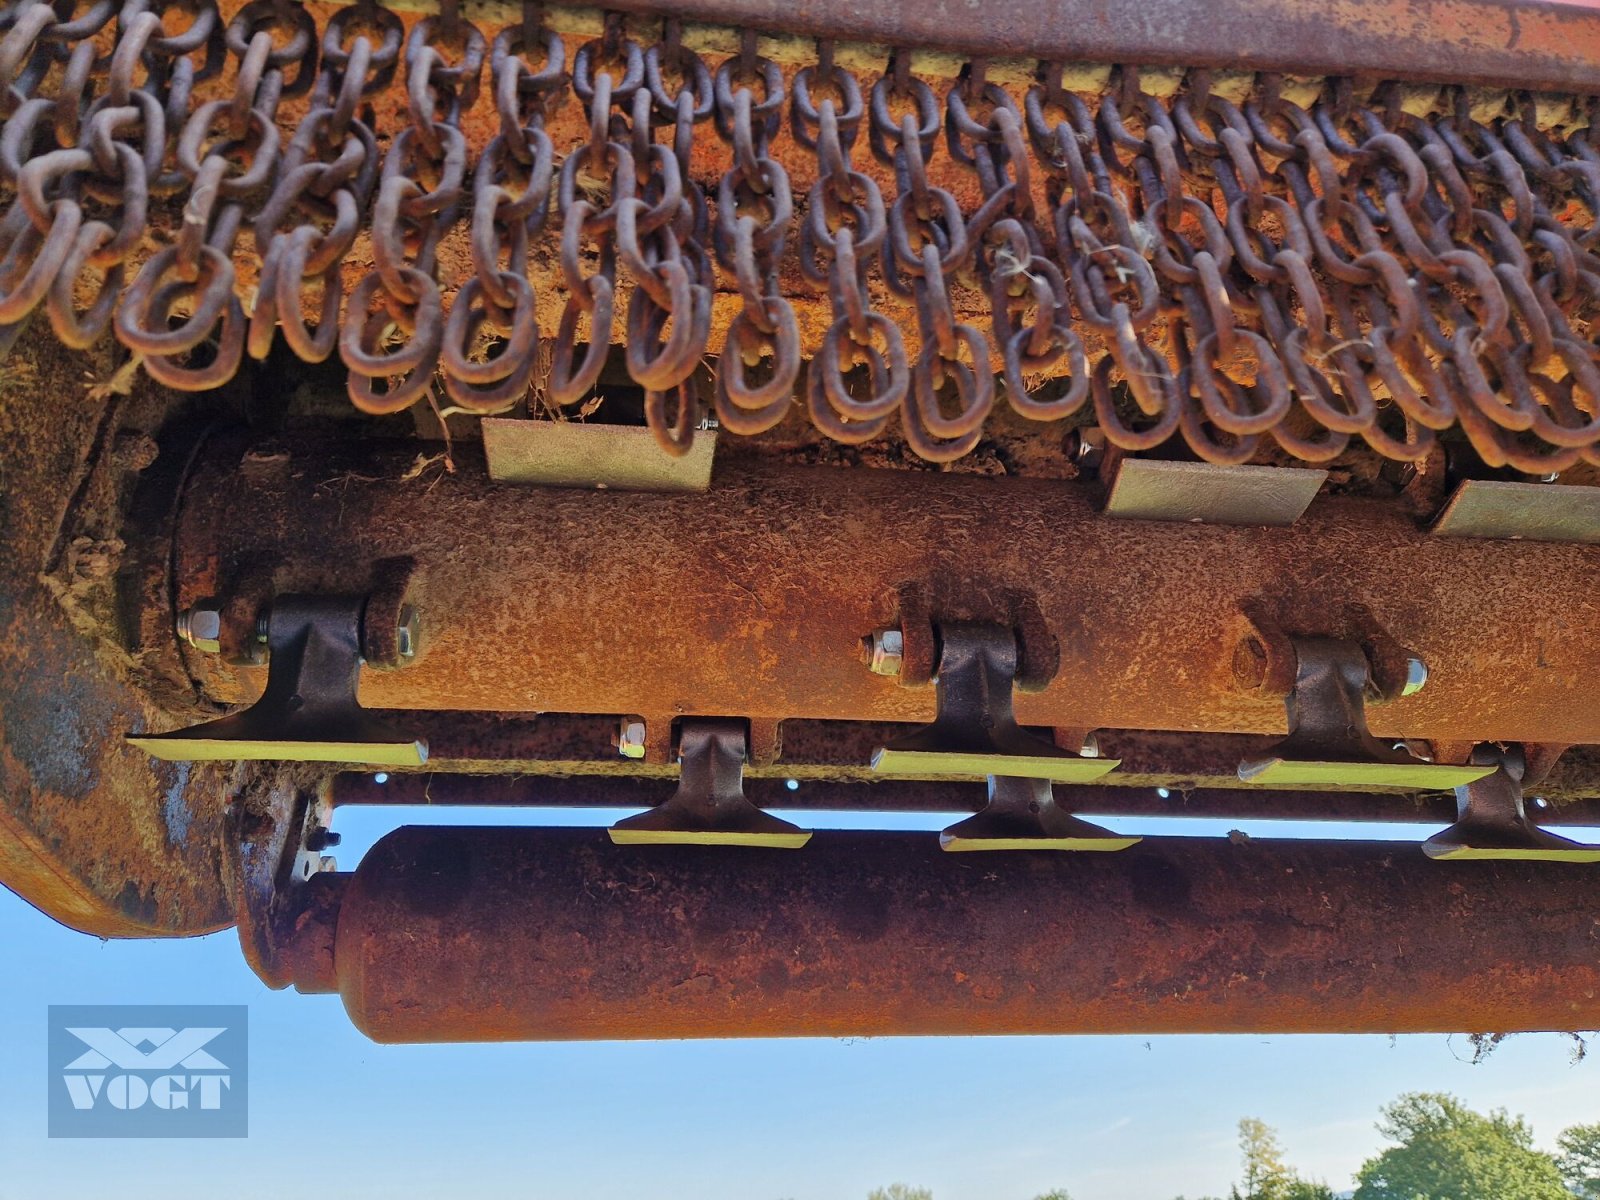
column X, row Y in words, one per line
column 1533, row 512
column 956, row 764
column 175, row 747
column 569, row 454
column 1291, row 773
column 1150, row 490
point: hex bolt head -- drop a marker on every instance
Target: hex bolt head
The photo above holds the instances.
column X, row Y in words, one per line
column 406, row 634
column 322, row 839
column 201, row 626
column 883, row 651
column 630, row 738
column 1416, row 676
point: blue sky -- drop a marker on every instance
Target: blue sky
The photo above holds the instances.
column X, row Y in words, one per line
column 1108, row 1118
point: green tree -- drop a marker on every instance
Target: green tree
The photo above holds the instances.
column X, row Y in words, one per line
column 1445, row 1151
column 1054, row 1194
column 1266, row 1175
column 1579, row 1160
column 900, row 1191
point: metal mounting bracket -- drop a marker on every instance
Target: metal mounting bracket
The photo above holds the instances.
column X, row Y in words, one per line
column 975, row 731
column 1535, row 512
column 1022, row 814
column 1493, row 821
column 309, row 711
column 1329, row 742
column 710, row 807
column 1153, row 490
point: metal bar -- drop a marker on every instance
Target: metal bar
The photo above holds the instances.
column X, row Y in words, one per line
column 572, row 454
column 1151, row 489
column 750, row 600
column 895, row 796
column 1513, row 43
column 1536, row 512
column 504, row 934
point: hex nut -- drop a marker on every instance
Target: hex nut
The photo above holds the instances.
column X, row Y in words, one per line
column 407, row 633
column 884, row 652
column 630, row 739
column 201, row 626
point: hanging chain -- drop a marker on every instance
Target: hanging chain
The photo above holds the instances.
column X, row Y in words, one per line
column 1255, row 268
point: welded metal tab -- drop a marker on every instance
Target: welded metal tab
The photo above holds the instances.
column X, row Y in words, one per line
column 975, row 730
column 1022, row 814
column 1531, row 512
column 1153, row 490
column 1493, row 821
column 1329, row 742
column 309, row 711
column 574, row 454
column 710, row 807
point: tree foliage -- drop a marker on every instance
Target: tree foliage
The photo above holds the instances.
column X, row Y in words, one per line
column 1446, row 1151
column 1579, row 1160
column 1266, row 1175
column 900, row 1191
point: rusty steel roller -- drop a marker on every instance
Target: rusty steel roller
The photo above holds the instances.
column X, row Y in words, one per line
column 495, row 934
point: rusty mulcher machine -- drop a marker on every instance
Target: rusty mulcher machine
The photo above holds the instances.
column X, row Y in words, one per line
column 1029, row 410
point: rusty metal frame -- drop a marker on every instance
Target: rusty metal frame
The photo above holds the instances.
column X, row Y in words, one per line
column 93, row 832
column 1528, row 44
column 1520, row 43
column 750, row 600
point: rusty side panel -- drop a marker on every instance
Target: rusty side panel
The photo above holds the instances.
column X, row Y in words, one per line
column 750, row 600
column 93, row 833
column 496, row 934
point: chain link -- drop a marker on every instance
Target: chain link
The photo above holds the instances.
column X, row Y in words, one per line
column 1241, row 268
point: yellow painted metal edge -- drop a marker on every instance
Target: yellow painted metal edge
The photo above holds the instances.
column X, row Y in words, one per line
column 1283, row 772
column 957, row 845
column 1577, row 854
column 938, row 764
column 672, row 837
column 180, row 749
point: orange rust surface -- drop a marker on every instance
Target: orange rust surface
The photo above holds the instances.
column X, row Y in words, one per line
column 498, row 934
column 92, row 832
column 750, row 599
